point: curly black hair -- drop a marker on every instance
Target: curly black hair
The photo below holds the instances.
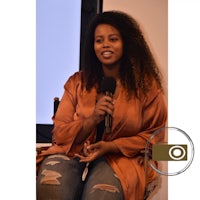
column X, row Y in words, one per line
column 137, row 69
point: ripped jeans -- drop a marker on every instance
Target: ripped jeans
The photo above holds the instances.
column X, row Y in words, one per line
column 60, row 178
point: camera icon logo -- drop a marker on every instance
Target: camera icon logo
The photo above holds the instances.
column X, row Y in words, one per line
column 169, row 152
column 174, row 153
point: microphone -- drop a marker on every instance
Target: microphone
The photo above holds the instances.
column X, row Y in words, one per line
column 108, row 87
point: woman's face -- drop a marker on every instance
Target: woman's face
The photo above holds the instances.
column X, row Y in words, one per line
column 108, row 45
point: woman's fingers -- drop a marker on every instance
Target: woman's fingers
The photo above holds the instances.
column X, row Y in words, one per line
column 85, row 159
column 85, row 151
column 94, row 151
column 105, row 105
column 79, row 156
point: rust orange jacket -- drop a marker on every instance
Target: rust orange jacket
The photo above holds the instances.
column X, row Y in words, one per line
column 134, row 120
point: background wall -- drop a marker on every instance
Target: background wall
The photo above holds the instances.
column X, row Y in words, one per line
column 152, row 16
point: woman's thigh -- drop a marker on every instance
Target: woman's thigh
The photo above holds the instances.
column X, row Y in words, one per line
column 60, row 178
column 102, row 183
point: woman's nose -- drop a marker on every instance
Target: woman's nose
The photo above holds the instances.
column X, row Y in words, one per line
column 106, row 44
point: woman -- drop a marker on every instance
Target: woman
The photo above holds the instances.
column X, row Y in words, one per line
column 78, row 166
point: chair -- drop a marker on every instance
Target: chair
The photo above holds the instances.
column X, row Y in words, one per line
column 48, row 137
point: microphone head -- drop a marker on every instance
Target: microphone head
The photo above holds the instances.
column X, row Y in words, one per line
column 108, row 85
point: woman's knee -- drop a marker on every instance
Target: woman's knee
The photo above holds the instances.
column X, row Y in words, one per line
column 59, row 178
column 102, row 183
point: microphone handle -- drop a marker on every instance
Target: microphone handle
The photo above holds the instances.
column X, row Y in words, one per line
column 108, row 117
column 108, row 123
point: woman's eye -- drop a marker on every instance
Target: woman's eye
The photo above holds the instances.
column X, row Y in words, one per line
column 113, row 39
column 98, row 40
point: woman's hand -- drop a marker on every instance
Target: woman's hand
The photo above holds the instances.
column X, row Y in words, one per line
column 93, row 151
column 104, row 105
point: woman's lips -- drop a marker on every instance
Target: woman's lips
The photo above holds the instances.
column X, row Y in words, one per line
column 107, row 54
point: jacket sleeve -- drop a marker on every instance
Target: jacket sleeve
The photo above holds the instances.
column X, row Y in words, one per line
column 154, row 117
column 66, row 125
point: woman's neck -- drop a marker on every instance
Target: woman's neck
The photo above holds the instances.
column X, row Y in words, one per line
column 111, row 71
